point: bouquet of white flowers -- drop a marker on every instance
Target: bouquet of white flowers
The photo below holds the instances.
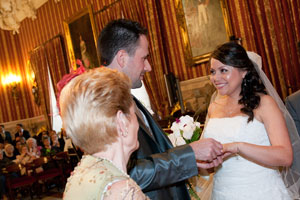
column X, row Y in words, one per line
column 185, row 131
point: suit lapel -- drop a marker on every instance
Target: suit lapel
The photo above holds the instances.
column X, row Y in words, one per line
column 158, row 134
column 145, row 128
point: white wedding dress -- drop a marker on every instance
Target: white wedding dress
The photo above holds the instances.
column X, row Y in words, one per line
column 238, row 178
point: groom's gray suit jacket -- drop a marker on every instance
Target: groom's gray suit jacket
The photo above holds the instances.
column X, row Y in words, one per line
column 292, row 103
column 158, row 168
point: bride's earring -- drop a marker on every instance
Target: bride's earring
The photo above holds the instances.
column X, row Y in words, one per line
column 245, row 83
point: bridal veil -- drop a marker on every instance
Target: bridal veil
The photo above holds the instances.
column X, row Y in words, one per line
column 290, row 175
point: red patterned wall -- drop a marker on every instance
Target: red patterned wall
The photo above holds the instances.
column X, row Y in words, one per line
column 14, row 52
column 12, row 62
column 270, row 27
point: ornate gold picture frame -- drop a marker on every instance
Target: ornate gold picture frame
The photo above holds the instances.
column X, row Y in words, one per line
column 204, row 24
column 81, row 36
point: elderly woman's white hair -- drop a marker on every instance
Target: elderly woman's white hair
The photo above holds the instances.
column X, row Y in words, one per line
column 31, row 140
column 89, row 104
column 8, row 146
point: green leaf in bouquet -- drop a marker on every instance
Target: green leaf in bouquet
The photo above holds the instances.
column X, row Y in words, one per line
column 186, row 140
column 196, row 134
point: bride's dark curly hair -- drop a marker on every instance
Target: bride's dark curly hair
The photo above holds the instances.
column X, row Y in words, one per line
column 235, row 55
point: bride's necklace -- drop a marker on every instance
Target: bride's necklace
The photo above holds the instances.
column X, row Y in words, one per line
column 228, row 108
column 231, row 112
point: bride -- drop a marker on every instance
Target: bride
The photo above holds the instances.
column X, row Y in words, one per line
column 252, row 129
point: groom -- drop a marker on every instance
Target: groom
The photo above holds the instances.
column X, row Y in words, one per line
column 158, row 168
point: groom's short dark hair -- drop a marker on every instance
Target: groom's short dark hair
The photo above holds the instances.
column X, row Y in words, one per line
column 116, row 35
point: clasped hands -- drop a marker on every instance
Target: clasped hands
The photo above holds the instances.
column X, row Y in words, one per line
column 209, row 153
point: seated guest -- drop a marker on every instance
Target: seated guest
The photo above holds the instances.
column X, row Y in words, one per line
column 65, row 140
column 292, row 103
column 52, row 132
column 33, row 149
column 55, row 142
column 24, row 158
column 107, row 134
column 68, row 144
column 18, row 145
column 40, row 134
column 21, row 132
column 22, row 140
column 61, row 139
column 3, row 163
column 47, row 149
column 9, row 152
column 4, row 135
column 18, row 141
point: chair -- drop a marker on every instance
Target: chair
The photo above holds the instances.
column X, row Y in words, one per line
column 14, row 180
column 63, row 159
column 49, row 171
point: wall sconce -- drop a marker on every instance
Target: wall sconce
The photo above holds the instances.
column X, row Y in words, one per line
column 35, row 92
column 13, row 81
column 34, row 88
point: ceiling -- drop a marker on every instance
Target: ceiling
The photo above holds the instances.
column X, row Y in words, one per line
column 12, row 12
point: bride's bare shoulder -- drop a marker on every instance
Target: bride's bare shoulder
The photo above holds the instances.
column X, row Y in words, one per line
column 266, row 101
column 267, row 106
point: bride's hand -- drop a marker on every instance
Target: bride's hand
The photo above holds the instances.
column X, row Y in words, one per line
column 230, row 148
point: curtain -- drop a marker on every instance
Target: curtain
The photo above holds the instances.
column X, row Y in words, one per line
column 272, row 29
column 40, row 67
column 50, row 56
column 146, row 12
column 56, row 59
column 113, row 11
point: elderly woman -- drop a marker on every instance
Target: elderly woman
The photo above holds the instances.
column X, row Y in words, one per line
column 33, row 149
column 9, row 152
column 24, row 158
column 98, row 114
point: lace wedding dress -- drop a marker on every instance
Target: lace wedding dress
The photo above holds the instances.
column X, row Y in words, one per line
column 239, row 178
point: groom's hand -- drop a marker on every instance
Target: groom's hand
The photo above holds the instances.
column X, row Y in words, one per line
column 209, row 151
column 210, row 165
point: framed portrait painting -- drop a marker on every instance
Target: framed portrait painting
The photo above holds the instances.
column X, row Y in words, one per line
column 204, row 25
column 196, row 95
column 81, row 39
